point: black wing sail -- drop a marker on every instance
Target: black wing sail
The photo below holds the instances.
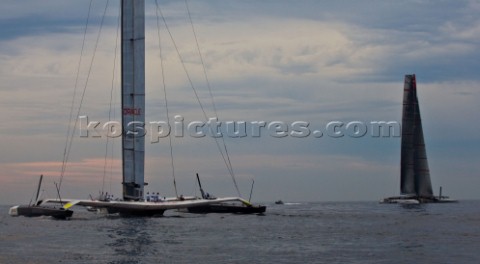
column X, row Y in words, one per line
column 423, row 185
column 407, row 175
column 415, row 174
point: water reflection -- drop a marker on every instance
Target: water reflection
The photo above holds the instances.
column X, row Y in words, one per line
column 130, row 241
column 414, row 207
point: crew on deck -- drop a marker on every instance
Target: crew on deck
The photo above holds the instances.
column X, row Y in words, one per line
column 153, row 197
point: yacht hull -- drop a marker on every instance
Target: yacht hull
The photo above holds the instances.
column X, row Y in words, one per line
column 34, row 211
column 228, row 208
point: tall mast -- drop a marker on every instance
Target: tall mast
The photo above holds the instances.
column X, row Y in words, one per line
column 133, row 98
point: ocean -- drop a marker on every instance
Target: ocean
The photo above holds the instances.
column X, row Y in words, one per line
column 324, row 232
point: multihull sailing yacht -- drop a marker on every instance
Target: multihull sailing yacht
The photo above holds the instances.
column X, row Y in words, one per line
column 415, row 184
column 133, row 112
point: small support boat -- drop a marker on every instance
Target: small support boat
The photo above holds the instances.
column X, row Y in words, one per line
column 38, row 209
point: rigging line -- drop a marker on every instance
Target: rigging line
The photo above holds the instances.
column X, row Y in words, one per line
column 183, row 64
column 211, row 95
column 110, row 105
column 207, row 81
column 165, row 97
column 83, row 93
column 114, row 109
column 111, row 154
column 195, row 92
column 75, row 93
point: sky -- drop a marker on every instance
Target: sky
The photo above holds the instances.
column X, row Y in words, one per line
column 310, row 61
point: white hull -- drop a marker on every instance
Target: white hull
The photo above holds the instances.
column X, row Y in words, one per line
column 144, row 208
column 416, row 200
column 400, row 201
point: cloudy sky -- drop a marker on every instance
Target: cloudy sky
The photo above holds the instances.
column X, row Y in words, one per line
column 313, row 61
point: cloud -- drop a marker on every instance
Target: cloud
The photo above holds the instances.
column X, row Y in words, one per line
column 271, row 60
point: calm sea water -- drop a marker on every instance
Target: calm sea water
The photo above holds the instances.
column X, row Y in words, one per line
column 357, row 232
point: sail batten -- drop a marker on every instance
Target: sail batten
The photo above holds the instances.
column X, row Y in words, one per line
column 415, row 174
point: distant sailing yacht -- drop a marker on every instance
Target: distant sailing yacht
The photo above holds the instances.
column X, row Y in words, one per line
column 415, row 184
column 133, row 112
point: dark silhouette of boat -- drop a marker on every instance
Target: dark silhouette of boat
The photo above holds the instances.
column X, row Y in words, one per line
column 415, row 184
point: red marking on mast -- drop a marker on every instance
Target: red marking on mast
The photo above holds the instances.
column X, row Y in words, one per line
column 132, row 111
